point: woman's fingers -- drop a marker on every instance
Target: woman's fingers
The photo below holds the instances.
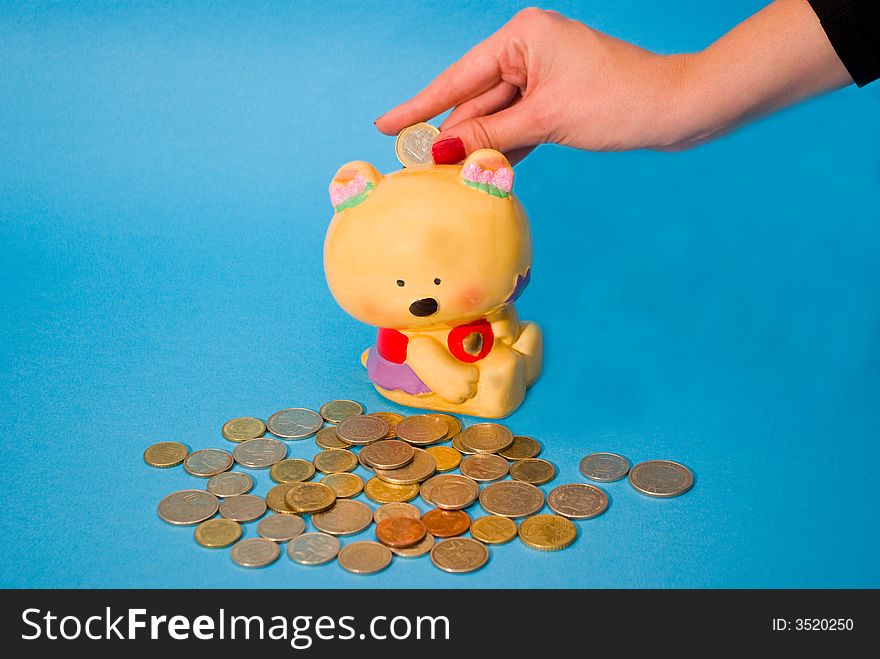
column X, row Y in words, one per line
column 510, row 129
column 492, row 100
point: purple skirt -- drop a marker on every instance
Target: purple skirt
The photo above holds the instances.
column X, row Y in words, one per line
column 391, row 376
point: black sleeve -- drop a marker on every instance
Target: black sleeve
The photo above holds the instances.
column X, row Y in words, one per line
column 853, row 28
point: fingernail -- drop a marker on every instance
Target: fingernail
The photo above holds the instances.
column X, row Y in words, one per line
column 448, row 151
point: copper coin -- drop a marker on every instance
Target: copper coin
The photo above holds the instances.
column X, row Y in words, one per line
column 387, row 454
column 392, row 419
column 484, row 467
column 422, row 429
column 362, row 429
column 400, row 531
column 446, row 523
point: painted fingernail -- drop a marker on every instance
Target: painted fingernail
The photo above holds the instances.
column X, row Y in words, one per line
column 448, row 151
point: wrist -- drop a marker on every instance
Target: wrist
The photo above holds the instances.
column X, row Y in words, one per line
column 683, row 109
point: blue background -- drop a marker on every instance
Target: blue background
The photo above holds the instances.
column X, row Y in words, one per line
column 163, row 176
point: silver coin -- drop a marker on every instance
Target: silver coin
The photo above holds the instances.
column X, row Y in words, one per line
column 451, row 491
column 243, row 508
column 421, row 468
column 661, row 478
column 485, row 438
column 364, row 557
column 230, row 484
column 281, row 528
column 396, row 509
column 255, row 552
column 346, row 517
column 413, row 145
column 459, row 555
column 511, row 499
column 188, row 507
column 313, row 548
column 604, row 467
column 295, row 423
column 578, row 501
column 484, row 467
column 360, row 429
column 259, row 453
column 419, row 549
column 337, row 410
column 207, row 462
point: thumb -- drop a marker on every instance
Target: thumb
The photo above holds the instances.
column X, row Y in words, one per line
column 512, row 128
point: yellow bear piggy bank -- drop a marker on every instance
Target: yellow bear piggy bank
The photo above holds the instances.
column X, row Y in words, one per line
column 434, row 257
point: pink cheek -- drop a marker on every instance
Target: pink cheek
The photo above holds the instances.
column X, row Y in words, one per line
column 471, row 298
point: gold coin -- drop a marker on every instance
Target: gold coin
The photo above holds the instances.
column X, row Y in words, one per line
column 362, row 429
column 532, row 470
column 413, row 144
column 484, row 467
column 309, row 497
column 327, row 438
column 383, row 492
column 522, row 448
column 486, row 438
column 461, row 448
column 450, row 491
column 459, row 555
column 337, row 410
column 392, row 419
column 292, row 470
column 453, row 425
column 547, row 532
column 243, row 428
column 275, row 499
column 335, row 460
column 493, row 530
column 446, row 457
column 421, row 468
column 165, row 454
column 363, row 463
column 345, row 485
column 397, row 509
column 344, row 517
column 387, row 454
column 511, row 499
column 364, row 557
column 419, row 549
column 217, row 533
column 422, row 429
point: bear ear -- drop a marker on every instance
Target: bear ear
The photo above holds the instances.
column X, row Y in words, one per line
column 489, row 171
column 352, row 183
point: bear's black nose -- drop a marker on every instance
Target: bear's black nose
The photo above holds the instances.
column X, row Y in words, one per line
column 424, row 307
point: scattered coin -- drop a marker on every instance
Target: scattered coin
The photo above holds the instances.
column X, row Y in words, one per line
column 215, row 533
column 400, row 531
column 532, row 470
column 450, row 491
column 388, row 454
column 327, row 438
column 243, row 508
column 547, row 532
column 522, row 448
column 484, row 467
column 493, row 530
column 309, row 497
column 446, row 523
column 207, row 462
column 337, row 410
column 344, row 484
column 461, row 448
column 291, row 470
column 396, row 509
column 453, row 425
column 313, row 548
column 165, row 454
column 188, row 507
column 362, row 429
column 661, row 478
column 363, row 463
column 281, row 528
column 486, row 438
column 422, row 429
column 364, row 557
column 413, row 144
column 345, row 517
column 382, row 492
column 446, row 457
column 421, row 468
column 255, row 552
column 259, row 453
column 243, row 428
column 511, row 499
column 335, row 460
column 578, row 501
column 230, row 484
column 295, row 423
column 275, row 499
column 459, row 555
column 604, row 467
column 414, row 551
column 392, row 419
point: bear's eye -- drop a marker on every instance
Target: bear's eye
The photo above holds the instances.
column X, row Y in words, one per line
column 400, row 282
column 437, row 280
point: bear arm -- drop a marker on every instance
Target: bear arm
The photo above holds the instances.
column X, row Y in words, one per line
column 447, row 377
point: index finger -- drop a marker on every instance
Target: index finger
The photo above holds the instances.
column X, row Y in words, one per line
column 478, row 70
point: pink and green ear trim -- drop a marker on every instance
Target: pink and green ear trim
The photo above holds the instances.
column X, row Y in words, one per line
column 350, row 194
column 498, row 182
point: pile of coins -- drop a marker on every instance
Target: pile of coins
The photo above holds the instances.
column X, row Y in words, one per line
column 408, row 459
